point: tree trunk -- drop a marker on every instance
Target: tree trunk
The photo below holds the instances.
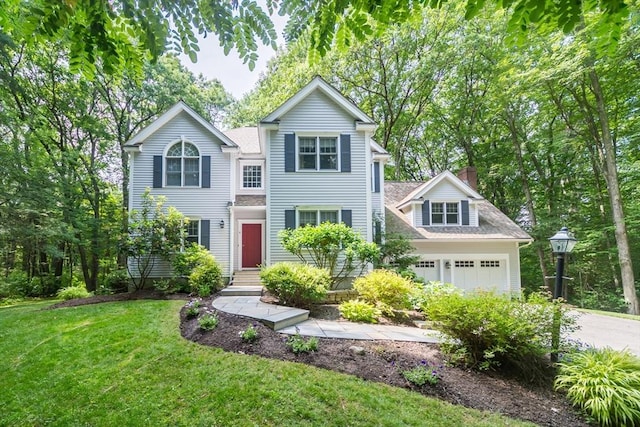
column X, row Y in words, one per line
column 611, row 176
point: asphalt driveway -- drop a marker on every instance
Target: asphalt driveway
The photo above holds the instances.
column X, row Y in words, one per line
column 606, row 331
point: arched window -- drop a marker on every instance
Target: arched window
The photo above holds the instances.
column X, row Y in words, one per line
column 183, row 165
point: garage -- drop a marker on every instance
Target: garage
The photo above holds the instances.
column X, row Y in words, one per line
column 466, row 273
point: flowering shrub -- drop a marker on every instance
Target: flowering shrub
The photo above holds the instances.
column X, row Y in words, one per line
column 385, row 289
column 193, row 308
column 359, row 311
column 298, row 285
column 208, row 322
column 250, row 334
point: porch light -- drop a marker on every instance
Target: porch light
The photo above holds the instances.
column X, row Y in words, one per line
column 562, row 242
column 222, row 223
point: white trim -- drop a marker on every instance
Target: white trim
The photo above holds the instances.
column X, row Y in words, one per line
column 182, row 140
column 319, row 84
column 240, row 189
column 318, row 155
column 177, row 108
column 429, row 185
column 444, row 222
column 263, row 239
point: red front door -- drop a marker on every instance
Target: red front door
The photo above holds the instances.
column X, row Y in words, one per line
column 251, row 245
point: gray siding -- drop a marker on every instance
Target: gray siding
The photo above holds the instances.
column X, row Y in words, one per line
column 199, row 203
column 286, row 190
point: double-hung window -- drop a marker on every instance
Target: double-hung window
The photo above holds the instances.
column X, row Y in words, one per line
column 192, row 232
column 183, row 165
column 318, row 153
column 444, row 213
column 315, row 217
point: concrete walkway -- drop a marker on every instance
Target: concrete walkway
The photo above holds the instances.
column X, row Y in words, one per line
column 252, row 307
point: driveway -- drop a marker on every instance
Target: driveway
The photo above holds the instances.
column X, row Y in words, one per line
column 606, row 331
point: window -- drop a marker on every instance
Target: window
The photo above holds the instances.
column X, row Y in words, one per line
column 444, row 213
column 464, row 264
column 192, row 231
column 317, row 153
column 490, row 264
column 252, row 176
column 426, row 264
column 315, row 217
column 183, row 165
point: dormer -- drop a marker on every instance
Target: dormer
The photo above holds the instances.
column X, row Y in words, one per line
column 444, row 201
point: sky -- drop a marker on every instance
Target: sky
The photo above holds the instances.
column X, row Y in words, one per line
column 232, row 73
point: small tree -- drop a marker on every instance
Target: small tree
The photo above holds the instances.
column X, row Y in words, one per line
column 154, row 232
column 396, row 254
column 335, row 247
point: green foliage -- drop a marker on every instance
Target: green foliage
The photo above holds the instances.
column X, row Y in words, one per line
column 395, row 253
column 359, row 311
column 422, row 374
column 184, row 262
column 298, row 344
column 488, row 330
column 605, row 383
column 16, row 284
column 115, row 281
column 73, row 292
column 385, row 289
column 430, row 290
column 208, row 322
column 335, row 247
column 297, row 285
column 250, row 334
column 206, row 277
column 153, row 232
column 193, row 308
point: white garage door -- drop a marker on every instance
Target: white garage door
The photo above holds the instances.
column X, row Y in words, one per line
column 428, row 270
column 480, row 273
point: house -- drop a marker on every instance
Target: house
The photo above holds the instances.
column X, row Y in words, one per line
column 311, row 160
column 461, row 237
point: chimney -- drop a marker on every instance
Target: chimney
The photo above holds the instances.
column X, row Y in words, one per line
column 469, row 175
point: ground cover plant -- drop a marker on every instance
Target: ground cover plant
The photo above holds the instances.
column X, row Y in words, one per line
column 125, row 363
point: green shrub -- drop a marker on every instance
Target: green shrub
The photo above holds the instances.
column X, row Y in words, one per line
column 115, row 281
column 605, row 383
column 208, row 322
column 73, row 292
column 193, row 255
column 422, row 374
column 385, row 289
column 206, row 277
column 359, row 311
column 250, row 334
column 193, row 308
column 298, row 344
column 487, row 330
column 430, row 290
column 297, row 285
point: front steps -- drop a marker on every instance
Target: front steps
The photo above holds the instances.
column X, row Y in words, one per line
column 242, row 297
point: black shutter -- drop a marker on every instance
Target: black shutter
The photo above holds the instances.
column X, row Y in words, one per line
column 157, row 171
column 290, row 218
column 205, row 233
column 206, row 171
column 464, row 207
column 346, row 217
column 345, row 153
column 376, row 177
column 290, row 152
column 377, row 233
column 426, row 213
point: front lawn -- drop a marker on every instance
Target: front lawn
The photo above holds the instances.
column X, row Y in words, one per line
column 125, row 363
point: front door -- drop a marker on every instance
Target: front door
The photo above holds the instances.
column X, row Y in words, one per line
column 251, row 245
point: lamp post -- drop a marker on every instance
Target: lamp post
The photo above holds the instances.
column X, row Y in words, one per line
column 562, row 243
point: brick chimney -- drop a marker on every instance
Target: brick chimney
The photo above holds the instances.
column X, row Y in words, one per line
column 469, row 175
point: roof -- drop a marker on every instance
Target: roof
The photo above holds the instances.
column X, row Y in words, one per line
column 424, row 187
column 318, row 83
column 246, row 137
column 493, row 224
column 177, row 108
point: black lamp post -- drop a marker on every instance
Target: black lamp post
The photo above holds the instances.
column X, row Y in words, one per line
column 562, row 243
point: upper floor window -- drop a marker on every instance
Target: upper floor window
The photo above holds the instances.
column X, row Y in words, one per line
column 183, row 165
column 252, row 176
column 444, row 213
column 317, row 153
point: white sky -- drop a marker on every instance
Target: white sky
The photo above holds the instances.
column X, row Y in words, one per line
column 232, row 73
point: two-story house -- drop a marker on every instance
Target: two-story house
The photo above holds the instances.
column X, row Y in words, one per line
column 309, row 161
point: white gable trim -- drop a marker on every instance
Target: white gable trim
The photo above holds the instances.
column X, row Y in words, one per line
column 429, row 185
column 318, row 83
column 178, row 108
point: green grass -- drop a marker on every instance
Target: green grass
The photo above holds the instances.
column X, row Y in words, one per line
column 121, row 364
column 610, row 313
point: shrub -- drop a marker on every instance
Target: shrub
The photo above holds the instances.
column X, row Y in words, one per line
column 429, row 290
column 193, row 255
column 337, row 248
column 298, row 285
column 298, row 344
column 114, row 281
column 193, row 308
column 385, row 289
column 487, row 330
column 423, row 374
column 250, row 334
column 206, row 277
column 605, row 383
column 359, row 311
column 208, row 322
column 72, row 292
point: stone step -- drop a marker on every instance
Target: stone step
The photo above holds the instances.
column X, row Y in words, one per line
column 280, row 320
column 241, row 291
